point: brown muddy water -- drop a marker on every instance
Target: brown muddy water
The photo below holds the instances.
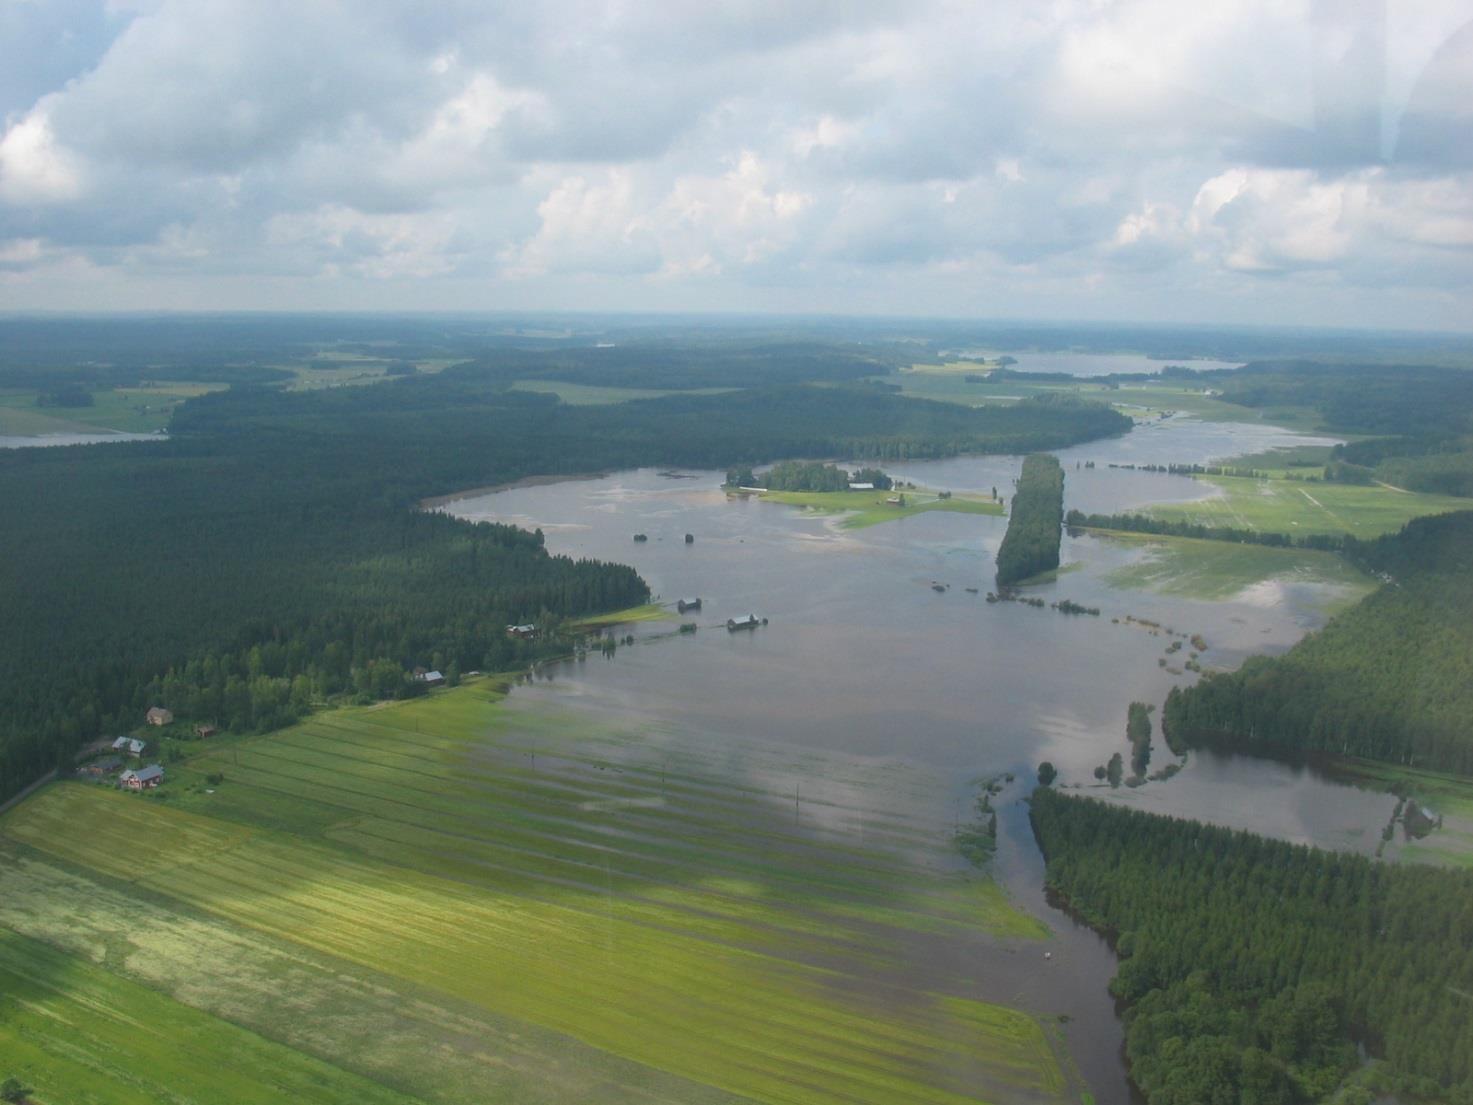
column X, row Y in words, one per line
column 864, row 663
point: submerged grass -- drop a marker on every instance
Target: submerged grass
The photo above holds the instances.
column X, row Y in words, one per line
column 1219, row 570
column 551, row 888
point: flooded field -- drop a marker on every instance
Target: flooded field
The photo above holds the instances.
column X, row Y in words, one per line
column 881, row 659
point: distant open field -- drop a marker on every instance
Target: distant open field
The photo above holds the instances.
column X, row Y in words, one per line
column 948, row 383
column 1297, row 507
column 137, row 410
column 1217, row 570
column 332, row 368
column 590, row 395
column 459, row 900
column 869, row 508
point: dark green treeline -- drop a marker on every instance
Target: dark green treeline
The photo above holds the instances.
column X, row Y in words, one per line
column 1031, row 543
column 1250, row 967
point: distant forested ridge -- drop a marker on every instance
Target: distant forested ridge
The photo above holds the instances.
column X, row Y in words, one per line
column 1250, row 967
column 1390, row 679
column 1424, row 413
column 1031, row 543
column 270, row 553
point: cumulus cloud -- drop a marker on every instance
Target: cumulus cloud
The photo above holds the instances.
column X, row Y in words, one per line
column 33, row 168
column 936, row 155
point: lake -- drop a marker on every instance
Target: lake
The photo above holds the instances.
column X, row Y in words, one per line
column 867, row 670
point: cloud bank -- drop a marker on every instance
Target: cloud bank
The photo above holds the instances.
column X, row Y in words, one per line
column 1285, row 161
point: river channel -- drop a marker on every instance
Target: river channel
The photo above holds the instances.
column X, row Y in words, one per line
column 877, row 651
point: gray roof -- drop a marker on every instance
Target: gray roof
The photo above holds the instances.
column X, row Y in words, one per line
column 144, row 774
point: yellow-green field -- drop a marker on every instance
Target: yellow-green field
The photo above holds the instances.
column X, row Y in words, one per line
column 1296, row 507
column 869, row 508
column 461, row 899
column 649, row 612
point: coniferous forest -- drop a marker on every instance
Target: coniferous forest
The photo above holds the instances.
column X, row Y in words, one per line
column 1251, row 968
column 1031, row 543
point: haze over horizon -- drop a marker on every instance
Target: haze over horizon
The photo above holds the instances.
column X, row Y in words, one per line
column 1255, row 163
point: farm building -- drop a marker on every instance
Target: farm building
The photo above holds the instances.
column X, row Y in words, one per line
column 525, row 632
column 157, row 715
column 130, row 745
column 746, row 621
column 431, row 678
column 861, row 486
column 145, row 778
column 205, row 730
column 687, row 604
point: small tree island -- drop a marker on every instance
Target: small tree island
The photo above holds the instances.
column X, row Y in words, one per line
column 792, row 475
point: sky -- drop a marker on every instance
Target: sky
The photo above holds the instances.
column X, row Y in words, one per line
column 1282, row 162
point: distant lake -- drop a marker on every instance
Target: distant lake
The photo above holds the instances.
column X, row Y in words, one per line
column 867, row 666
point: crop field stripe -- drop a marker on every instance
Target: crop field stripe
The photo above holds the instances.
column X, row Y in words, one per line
column 649, row 821
column 88, row 1036
column 519, row 783
column 424, row 928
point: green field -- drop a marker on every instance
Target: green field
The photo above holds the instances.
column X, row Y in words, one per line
column 590, row 395
column 649, row 612
column 1297, row 508
column 869, row 508
column 138, row 410
column 1217, row 570
column 461, row 899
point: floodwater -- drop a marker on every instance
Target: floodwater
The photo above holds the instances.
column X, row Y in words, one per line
column 864, row 658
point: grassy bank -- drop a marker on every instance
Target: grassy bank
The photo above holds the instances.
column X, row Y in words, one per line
column 472, row 901
column 870, row 508
column 648, row 612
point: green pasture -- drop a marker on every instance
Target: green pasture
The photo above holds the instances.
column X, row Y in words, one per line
column 1297, row 507
column 1218, row 570
column 592, row 395
column 632, row 916
column 869, row 508
column 80, row 1034
column 649, row 612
